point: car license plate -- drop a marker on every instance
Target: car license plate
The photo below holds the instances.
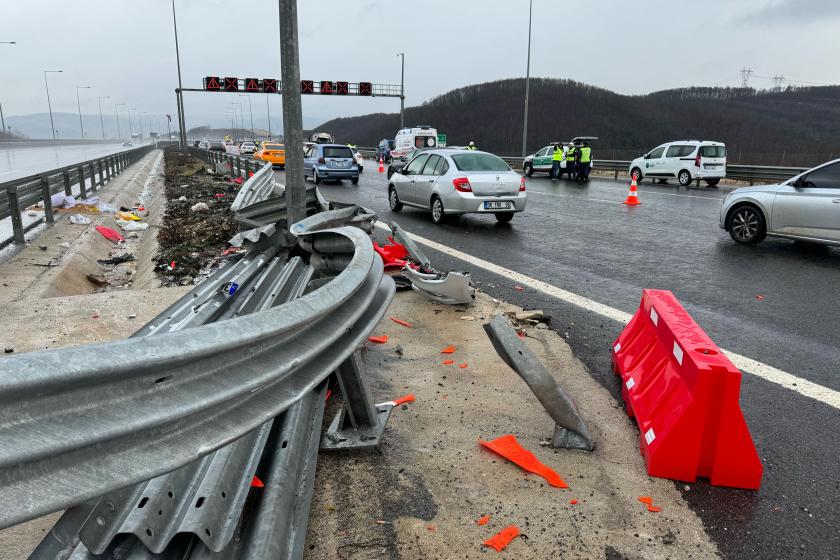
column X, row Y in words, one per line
column 711, row 166
column 497, row 205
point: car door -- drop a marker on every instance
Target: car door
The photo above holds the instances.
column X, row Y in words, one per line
column 655, row 163
column 308, row 159
column 425, row 181
column 809, row 207
column 407, row 188
column 672, row 161
column 542, row 159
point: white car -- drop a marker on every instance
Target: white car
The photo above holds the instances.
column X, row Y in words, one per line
column 247, row 148
column 687, row 160
column 407, row 139
column 451, row 182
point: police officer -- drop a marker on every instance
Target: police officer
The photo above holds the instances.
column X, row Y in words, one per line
column 556, row 162
column 585, row 162
column 571, row 154
column 472, row 146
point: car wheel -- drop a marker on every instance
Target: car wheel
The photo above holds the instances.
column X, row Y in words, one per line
column 636, row 174
column 438, row 214
column 315, row 178
column 355, row 180
column 394, row 200
column 663, row 181
column 712, row 182
column 528, row 169
column 684, row 178
column 504, row 217
column 746, row 224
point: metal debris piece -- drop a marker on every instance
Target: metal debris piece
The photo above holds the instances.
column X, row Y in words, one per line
column 252, row 235
column 451, row 288
column 570, row 430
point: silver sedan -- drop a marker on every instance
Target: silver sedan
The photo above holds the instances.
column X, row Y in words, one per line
column 804, row 208
column 452, row 182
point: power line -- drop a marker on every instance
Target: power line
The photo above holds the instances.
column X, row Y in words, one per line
column 746, row 72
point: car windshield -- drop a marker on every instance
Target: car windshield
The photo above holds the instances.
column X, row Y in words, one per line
column 338, row 152
column 273, row 146
column 713, row 151
column 479, row 162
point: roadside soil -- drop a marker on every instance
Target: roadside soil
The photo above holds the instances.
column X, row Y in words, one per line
column 421, row 496
column 193, row 239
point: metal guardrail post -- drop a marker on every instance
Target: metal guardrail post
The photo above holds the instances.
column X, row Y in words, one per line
column 247, row 168
column 359, row 424
column 82, row 185
column 66, row 177
column 92, row 177
column 17, row 221
column 108, row 168
column 101, row 175
column 47, row 196
column 238, row 167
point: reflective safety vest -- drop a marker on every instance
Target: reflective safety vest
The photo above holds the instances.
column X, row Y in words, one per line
column 570, row 155
column 471, row 148
column 585, row 154
column 558, row 154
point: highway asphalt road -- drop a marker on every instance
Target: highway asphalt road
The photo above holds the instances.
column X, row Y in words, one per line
column 776, row 302
column 16, row 162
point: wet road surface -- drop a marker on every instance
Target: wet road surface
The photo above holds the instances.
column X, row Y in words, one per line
column 16, row 162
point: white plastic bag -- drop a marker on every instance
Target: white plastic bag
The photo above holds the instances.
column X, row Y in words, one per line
column 79, row 219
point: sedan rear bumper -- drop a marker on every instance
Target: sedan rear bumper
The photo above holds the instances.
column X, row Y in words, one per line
column 468, row 203
column 327, row 173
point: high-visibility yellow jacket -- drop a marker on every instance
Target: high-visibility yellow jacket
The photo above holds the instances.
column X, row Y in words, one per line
column 558, row 154
column 585, row 154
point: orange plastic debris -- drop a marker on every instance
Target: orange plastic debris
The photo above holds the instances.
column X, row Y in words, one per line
column 654, row 509
column 645, row 499
column 573, row 502
column 501, row 539
column 402, row 400
column 432, row 528
column 448, row 350
column 256, row 482
column 518, row 288
column 448, row 362
column 379, row 339
column 329, row 394
column 483, row 521
column 401, row 322
column 463, row 366
column 509, row 448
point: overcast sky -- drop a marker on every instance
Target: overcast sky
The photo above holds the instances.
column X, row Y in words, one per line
column 125, row 48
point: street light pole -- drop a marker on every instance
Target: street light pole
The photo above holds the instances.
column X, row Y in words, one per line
column 251, row 110
column 140, row 118
column 402, row 90
column 268, row 113
column 49, row 104
column 3, row 120
column 527, row 83
column 292, row 111
column 117, row 115
column 130, row 129
column 79, row 106
column 101, row 122
column 181, row 118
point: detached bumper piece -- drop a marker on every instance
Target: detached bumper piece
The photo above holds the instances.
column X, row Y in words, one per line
column 450, row 288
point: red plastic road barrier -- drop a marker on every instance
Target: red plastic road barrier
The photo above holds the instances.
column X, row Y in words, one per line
column 393, row 255
column 684, row 394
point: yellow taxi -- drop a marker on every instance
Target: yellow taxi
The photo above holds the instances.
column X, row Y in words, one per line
column 275, row 154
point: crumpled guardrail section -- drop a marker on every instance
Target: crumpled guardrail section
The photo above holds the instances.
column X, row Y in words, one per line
column 260, row 186
column 79, row 422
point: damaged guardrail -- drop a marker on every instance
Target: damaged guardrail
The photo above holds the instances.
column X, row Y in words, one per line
column 80, row 422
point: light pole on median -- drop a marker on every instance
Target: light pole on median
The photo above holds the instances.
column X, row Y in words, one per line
column 268, row 115
column 101, row 122
column 130, row 129
column 402, row 90
column 233, row 127
column 527, row 82
column 117, row 115
column 140, row 118
column 241, row 115
column 79, row 106
column 292, row 111
column 251, row 110
column 182, row 130
column 3, row 120
column 49, row 104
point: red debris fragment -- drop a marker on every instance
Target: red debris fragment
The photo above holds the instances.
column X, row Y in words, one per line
column 256, row 482
column 573, row 502
column 110, row 234
column 448, row 362
column 518, row 288
column 759, row 298
column 448, row 350
column 463, row 366
column 483, row 520
column 401, row 322
column 509, row 448
column 379, row 339
column 501, row 539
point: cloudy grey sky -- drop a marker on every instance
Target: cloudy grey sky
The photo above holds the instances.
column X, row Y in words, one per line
column 124, row 48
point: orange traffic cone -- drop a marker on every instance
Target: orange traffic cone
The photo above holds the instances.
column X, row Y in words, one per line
column 381, row 166
column 633, row 196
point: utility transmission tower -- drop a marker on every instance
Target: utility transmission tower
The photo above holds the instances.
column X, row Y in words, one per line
column 746, row 72
column 778, row 80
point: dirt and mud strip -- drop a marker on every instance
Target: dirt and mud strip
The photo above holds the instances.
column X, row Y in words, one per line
column 197, row 223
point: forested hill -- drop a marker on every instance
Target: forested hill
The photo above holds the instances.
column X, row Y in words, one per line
column 761, row 126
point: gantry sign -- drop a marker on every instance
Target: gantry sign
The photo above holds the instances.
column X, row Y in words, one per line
column 314, row 87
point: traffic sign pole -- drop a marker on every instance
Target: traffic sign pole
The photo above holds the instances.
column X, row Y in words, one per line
column 292, row 111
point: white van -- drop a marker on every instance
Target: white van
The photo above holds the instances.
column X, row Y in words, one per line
column 407, row 139
column 687, row 160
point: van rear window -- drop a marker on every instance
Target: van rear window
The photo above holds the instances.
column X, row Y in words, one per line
column 338, row 152
column 713, row 151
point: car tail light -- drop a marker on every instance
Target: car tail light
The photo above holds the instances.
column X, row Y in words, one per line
column 522, row 185
column 462, row 184
column 321, row 160
column 697, row 160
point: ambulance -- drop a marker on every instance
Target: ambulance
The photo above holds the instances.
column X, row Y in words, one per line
column 407, row 139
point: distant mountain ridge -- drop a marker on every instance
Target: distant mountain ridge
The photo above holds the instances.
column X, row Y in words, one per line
column 760, row 127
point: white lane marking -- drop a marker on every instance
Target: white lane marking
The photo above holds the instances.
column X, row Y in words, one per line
column 769, row 373
column 584, row 198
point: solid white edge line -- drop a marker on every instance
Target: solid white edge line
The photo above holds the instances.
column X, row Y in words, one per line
column 769, row 373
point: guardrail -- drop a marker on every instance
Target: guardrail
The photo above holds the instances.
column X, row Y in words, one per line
column 750, row 173
column 18, row 194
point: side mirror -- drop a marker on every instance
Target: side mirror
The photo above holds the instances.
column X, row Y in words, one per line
column 799, row 182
